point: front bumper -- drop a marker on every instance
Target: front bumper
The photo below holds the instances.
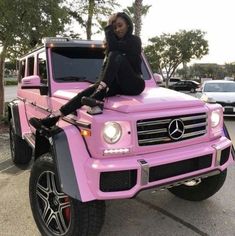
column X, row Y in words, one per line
column 124, row 177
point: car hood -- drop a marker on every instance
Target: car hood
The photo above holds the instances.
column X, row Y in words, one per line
column 227, row 97
column 151, row 99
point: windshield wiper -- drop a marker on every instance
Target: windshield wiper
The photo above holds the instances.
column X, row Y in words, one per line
column 74, row 79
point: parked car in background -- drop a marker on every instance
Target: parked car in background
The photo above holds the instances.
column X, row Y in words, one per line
column 229, row 78
column 186, row 85
column 223, row 92
column 171, row 81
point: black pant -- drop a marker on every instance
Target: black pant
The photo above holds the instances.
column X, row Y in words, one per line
column 120, row 78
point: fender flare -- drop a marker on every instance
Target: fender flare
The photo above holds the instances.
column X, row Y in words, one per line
column 226, row 134
column 71, row 171
column 14, row 114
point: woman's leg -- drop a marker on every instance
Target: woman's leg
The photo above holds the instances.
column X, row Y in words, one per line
column 106, row 81
column 75, row 103
column 71, row 106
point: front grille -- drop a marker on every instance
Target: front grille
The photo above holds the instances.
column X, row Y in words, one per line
column 230, row 104
column 179, row 168
column 118, row 180
column 155, row 131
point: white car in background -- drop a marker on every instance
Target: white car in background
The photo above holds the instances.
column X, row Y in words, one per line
column 222, row 92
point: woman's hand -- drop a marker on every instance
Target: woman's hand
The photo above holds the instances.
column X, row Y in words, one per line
column 111, row 19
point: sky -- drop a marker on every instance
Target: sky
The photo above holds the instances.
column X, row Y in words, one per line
column 215, row 17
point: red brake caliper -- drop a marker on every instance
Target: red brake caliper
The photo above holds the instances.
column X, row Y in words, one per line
column 67, row 210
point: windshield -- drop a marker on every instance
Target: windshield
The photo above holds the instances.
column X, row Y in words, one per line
column 219, row 87
column 78, row 64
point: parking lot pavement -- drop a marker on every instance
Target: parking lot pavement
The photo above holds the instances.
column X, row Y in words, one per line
column 150, row 213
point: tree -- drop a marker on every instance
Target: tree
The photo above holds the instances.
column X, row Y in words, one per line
column 137, row 16
column 132, row 10
column 203, row 70
column 90, row 13
column 168, row 51
column 22, row 26
column 230, row 70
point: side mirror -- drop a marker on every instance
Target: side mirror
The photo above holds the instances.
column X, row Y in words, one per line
column 34, row 82
column 31, row 82
column 158, row 78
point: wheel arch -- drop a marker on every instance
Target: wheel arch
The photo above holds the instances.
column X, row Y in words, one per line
column 70, row 171
column 14, row 114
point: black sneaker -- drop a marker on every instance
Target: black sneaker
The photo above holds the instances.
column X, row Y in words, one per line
column 48, row 122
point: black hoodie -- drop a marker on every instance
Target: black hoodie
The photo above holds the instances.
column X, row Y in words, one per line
column 129, row 45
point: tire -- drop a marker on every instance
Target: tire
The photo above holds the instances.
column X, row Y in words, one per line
column 21, row 152
column 208, row 187
column 54, row 212
column 192, row 90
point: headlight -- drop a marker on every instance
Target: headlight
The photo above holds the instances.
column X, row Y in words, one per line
column 215, row 118
column 112, row 132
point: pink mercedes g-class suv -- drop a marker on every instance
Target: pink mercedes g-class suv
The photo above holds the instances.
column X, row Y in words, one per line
column 161, row 139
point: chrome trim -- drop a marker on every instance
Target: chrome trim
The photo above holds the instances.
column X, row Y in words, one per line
column 30, row 139
column 194, row 133
column 154, row 122
column 149, row 135
column 217, row 155
column 152, row 131
column 153, row 140
column 193, row 117
column 144, row 175
column 196, row 178
column 196, row 125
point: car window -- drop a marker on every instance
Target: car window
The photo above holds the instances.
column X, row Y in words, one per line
column 31, row 65
column 219, row 87
column 42, row 70
column 174, row 80
column 77, row 64
column 21, row 74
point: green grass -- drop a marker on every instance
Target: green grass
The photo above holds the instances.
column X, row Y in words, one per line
column 11, row 82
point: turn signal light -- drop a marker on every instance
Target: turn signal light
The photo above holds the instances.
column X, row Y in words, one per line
column 85, row 133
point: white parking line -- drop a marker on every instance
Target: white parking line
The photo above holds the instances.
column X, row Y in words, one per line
column 7, row 168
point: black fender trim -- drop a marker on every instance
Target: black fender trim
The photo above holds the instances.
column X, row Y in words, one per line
column 228, row 136
column 13, row 106
column 63, row 160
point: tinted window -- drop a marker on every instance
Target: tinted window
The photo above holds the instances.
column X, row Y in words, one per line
column 174, row 80
column 42, row 68
column 22, row 69
column 79, row 64
column 30, row 65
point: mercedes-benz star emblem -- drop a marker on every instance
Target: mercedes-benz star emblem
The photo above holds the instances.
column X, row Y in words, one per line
column 176, row 129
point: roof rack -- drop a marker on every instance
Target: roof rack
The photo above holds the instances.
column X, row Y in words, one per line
column 54, row 39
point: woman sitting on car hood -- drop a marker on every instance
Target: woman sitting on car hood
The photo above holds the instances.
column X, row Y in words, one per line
column 120, row 74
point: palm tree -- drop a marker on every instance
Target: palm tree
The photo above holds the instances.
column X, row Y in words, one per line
column 132, row 10
column 137, row 16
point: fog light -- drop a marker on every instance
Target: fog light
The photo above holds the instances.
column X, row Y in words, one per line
column 116, row 151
